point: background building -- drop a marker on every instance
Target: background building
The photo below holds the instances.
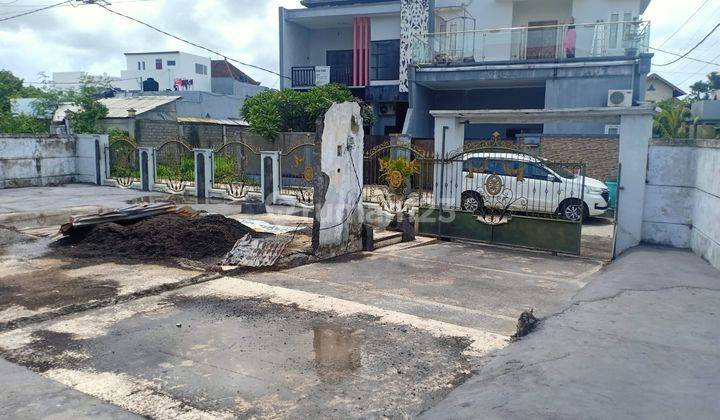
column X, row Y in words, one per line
column 172, row 70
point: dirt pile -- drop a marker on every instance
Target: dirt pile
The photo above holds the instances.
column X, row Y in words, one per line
column 161, row 237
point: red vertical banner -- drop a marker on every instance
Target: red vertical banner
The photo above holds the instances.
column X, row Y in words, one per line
column 361, row 51
column 355, row 52
column 367, row 51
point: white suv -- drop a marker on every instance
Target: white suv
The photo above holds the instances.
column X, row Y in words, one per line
column 518, row 182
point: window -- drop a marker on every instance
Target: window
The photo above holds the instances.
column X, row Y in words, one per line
column 200, row 69
column 385, row 60
column 141, row 65
column 536, row 172
column 158, row 64
column 612, row 129
column 171, row 63
column 620, row 30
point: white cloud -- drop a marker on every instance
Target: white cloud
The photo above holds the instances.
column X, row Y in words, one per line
column 90, row 39
column 666, row 17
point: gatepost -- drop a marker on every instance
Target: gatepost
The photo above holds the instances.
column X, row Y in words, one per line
column 147, row 167
column 270, row 176
column 337, row 181
column 203, row 172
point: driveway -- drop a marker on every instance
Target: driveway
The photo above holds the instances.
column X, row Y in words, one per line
column 387, row 333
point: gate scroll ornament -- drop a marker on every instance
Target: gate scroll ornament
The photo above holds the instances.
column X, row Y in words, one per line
column 300, row 170
column 231, row 166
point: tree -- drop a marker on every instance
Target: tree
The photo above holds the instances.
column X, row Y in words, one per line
column 85, row 119
column 700, row 90
column 272, row 112
column 670, row 122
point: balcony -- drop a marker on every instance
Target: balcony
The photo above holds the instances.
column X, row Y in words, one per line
column 309, row 76
column 533, row 43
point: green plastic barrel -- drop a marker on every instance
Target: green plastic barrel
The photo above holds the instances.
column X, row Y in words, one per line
column 612, row 186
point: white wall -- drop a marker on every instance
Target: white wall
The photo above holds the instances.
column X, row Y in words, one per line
column 384, row 28
column 184, row 69
column 323, row 40
column 33, row 160
column 661, row 92
column 589, row 11
column 534, row 11
column 682, row 198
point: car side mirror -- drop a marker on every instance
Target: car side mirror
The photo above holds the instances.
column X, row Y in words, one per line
column 551, row 177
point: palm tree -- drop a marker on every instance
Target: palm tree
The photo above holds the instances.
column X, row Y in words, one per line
column 670, row 123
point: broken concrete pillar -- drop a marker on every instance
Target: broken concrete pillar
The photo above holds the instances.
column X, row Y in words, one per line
column 270, row 176
column 147, row 168
column 337, row 181
column 203, row 172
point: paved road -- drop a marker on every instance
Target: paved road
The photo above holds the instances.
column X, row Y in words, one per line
column 470, row 285
column 26, row 395
column 640, row 341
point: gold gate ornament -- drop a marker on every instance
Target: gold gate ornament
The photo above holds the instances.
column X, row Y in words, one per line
column 493, row 185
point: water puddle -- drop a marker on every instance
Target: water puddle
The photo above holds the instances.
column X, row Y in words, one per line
column 338, row 351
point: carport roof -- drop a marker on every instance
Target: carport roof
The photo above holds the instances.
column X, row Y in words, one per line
column 536, row 116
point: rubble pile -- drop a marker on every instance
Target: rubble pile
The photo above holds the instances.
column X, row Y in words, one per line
column 161, row 237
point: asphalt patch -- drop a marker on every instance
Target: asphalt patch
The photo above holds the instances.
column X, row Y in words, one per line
column 256, row 359
column 52, row 288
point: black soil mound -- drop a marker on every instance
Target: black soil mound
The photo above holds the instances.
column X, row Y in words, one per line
column 162, row 237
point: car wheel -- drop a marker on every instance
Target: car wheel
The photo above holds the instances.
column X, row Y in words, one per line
column 574, row 210
column 471, row 201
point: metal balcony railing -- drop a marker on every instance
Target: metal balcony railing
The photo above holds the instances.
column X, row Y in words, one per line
column 529, row 43
column 303, row 76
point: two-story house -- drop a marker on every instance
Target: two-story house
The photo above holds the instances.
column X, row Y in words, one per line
column 471, row 54
column 172, row 70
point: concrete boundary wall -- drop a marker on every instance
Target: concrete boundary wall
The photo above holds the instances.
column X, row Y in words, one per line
column 40, row 160
column 682, row 198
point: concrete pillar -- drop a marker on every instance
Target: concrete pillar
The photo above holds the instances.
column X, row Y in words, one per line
column 102, row 149
column 270, row 180
column 635, row 134
column 449, row 137
column 204, row 174
column 131, row 122
column 337, row 181
column 147, row 168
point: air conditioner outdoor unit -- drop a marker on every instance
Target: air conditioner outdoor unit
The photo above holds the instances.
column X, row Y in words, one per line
column 617, row 97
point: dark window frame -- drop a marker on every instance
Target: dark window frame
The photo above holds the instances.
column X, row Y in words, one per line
column 158, row 64
column 385, row 59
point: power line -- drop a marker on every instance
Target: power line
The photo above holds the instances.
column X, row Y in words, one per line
column 685, row 23
column 691, row 49
column 35, row 10
column 697, row 72
column 185, row 40
column 680, row 55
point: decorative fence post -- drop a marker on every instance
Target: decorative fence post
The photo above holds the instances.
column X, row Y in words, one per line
column 270, row 176
column 102, row 164
column 203, row 172
column 147, row 167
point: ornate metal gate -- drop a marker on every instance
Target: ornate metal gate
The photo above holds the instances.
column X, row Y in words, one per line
column 123, row 163
column 493, row 192
column 296, row 173
column 236, row 169
column 175, row 166
column 397, row 178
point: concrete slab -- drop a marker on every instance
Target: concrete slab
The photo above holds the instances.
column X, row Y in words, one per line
column 464, row 284
column 233, row 348
column 640, row 341
column 35, row 287
column 32, row 396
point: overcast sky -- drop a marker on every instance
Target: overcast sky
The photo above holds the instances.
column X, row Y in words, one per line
column 90, row 39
